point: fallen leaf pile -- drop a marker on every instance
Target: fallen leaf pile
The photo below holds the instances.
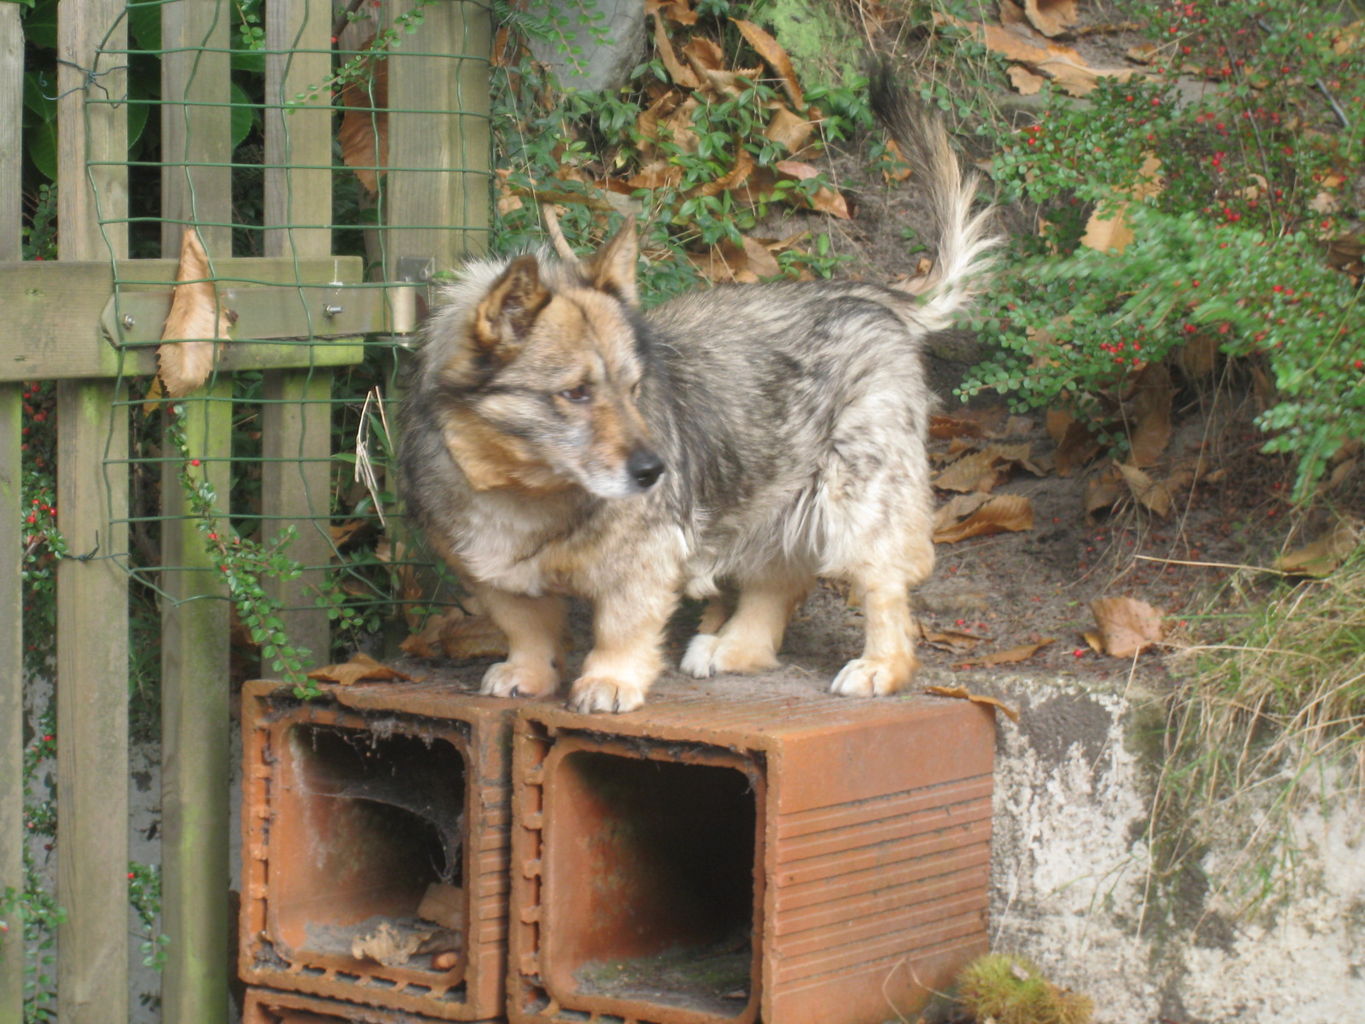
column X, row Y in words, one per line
column 700, row 74
column 1026, row 37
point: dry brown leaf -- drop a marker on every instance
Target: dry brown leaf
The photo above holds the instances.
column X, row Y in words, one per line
column 344, row 533
column 1127, row 625
column 982, row 470
column 1012, row 656
column 678, row 11
column 1051, row 17
column 364, row 131
column 941, row 428
column 734, row 178
column 704, row 54
column 998, row 514
column 900, row 170
column 1012, row 14
column 679, row 72
column 1109, row 231
column 1152, row 495
column 656, row 174
column 1151, row 414
column 1325, row 555
column 789, row 130
column 456, row 634
column 360, row 668
column 1103, row 490
column 976, row 471
column 832, row 202
column 950, row 639
column 962, row 693
column 1077, row 445
column 1060, row 63
column 1025, row 82
column 444, row 905
column 776, row 58
column 195, row 323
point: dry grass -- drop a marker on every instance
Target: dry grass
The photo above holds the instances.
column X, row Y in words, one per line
column 1266, row 719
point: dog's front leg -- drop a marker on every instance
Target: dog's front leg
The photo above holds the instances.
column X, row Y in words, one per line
column 535, row 628
column 625, row 659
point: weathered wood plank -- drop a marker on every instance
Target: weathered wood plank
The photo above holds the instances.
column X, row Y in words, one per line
column 296, row 419
column 196, row 134
column 92, row 594
column 92, row 704
column 195, row 717
column 49, row 347
column 439, row 150
column 11, row 542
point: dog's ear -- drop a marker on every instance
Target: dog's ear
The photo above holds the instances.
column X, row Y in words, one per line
column 612, row 267
column 509, row 309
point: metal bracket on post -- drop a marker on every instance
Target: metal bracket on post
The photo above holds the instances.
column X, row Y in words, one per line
column 408, row 297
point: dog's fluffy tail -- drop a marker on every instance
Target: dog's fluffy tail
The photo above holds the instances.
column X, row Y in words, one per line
column 965, row 240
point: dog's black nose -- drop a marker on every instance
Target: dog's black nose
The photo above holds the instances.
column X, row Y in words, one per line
column 644, row 468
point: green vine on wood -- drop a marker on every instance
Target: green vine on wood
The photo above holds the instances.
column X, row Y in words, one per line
column 243, row 565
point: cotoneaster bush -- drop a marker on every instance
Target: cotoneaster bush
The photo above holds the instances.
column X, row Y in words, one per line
column 1230, row 169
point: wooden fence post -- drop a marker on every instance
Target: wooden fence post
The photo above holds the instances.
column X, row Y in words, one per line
column 196, row 144
column 439, row 191
column 92, row 503
column 12, row 831
column 296, row 417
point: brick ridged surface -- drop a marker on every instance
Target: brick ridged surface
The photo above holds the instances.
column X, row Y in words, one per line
column 353, row 804
column 264, row 1006
column 715, row 858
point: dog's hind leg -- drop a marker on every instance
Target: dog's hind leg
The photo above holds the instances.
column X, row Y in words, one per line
column 750, row 638
column 888, row 662
column 535, row 628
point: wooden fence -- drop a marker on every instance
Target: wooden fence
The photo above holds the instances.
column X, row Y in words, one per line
column 89, row 320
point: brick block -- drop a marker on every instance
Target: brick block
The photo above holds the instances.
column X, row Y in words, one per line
column 711, row 858
column 264, row 1006
column 357, row 808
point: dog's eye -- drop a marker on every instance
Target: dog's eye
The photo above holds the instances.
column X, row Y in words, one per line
column 579, row 394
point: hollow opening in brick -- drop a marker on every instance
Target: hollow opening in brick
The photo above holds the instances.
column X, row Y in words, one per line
column 365, row 822
column 650, row 870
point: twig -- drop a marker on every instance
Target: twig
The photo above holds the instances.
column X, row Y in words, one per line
column 1213, row 565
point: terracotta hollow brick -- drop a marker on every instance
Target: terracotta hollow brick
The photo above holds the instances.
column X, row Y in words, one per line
column 265, row 1006
column 711, row 859
column 359, row 808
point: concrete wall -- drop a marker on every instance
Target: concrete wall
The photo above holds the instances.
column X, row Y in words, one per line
column 1072, row 889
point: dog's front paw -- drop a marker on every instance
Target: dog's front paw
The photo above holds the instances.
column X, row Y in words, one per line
column 599, row 693
column 506, row 679
column 873, row 677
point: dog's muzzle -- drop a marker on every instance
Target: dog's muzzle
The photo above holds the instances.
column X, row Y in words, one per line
column 644, row 468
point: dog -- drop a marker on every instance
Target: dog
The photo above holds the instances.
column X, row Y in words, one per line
column 556, row 441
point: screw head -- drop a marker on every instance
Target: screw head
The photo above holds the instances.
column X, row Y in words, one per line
column 128, row 321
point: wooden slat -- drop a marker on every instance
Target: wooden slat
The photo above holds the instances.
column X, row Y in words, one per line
column 296, row 421
column 195, row 717
column 92, row 595
column 11, row 540
column 49, row 347
column 439, row 149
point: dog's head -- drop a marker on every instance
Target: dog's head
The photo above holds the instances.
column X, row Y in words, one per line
column 536, row 366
